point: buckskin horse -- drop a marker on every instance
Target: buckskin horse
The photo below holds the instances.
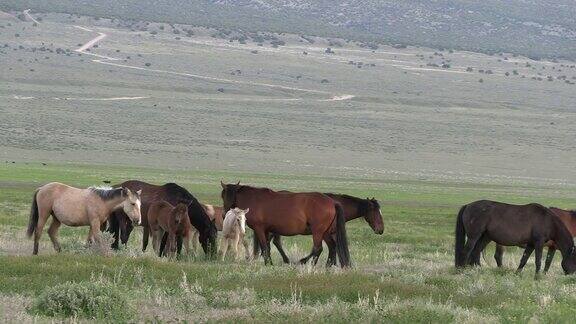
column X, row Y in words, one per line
column 568, row 217
column 78, row 207
column 354, row 207
column 287, row 214
column 531, row 225
column 173, row 194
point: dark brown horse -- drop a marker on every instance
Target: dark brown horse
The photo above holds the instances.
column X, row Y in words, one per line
column 173, row 194
column 529, row 225
column 288, row 214
column 568, row 217
column 165, row 218
column 353, row 208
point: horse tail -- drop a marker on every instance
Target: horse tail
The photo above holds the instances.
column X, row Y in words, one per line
column 460, row 239
column 33, row 221
column 255, row 247
column 341, row 239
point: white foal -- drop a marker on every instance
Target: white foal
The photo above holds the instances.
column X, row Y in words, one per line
column 233, row 231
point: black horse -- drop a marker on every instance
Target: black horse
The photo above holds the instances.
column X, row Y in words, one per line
column 529, row 226
column 120, row 226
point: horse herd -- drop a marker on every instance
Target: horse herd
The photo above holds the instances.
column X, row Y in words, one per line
column 174, row 217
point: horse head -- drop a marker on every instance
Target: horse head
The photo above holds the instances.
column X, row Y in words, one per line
column 241, row 218
column 374, row 215
column 180, row 213
column 569, row 261
column 228, row 194
column 131, row 205
column 208, row 233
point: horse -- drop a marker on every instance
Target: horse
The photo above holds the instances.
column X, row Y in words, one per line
column 353, row 208
column 568, row 217
column 173, row 194
column 233, row 232
column 215, row 214
column 287, row 214
column 165, row 218
column 529, row 225
column 79, row 207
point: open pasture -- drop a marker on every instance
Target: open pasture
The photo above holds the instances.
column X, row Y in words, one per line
column 144, row 95
column 405, row 274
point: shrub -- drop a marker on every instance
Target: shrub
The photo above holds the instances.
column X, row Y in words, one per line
column 84, row 299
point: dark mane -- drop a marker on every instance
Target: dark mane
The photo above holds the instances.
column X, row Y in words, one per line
column 194, row 207
column 363, row 205
column 106, row 193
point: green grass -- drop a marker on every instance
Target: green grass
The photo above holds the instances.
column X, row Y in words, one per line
column 404, row 275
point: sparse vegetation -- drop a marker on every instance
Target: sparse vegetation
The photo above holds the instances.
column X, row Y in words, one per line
column 92, row 300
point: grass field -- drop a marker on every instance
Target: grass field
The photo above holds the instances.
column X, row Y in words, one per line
column 406, row 274
column 157, row 103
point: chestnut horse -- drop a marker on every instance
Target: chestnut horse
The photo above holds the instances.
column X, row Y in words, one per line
column 353, row 208
column 78, row 207
column 568, row 217
column 287, row 214
column 529, row 225
column 165, row 218
column 173, row 194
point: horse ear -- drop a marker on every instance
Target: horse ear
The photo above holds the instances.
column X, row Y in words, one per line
column 125, row 191
column 246, row 211
column 222, row 184
column 139, row 192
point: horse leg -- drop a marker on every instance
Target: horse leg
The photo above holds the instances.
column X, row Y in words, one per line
column 538, row 257
column 53, row 233
column 186, row 241
column 331, row 244
column 469, row 247
column 264, row 245
column 172, row 245
column 525, row 256
column 235, row 242
column 155, row 241
column 498, row 255
column 159, row 235
column 480, row 246
column 195, row 239
column 43, row 215
column 278, row 244
column 549, row 257
column 114, row 228
column 316, row 250
column 145, row 236
column 224, row 248
column 246, row 248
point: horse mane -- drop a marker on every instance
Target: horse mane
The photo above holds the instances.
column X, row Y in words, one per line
column 363, row 204
column 229, row 221
column 184, row 196
column 239, row 187
column 106, row 193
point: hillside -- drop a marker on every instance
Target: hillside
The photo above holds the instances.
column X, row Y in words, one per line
column 515, row 26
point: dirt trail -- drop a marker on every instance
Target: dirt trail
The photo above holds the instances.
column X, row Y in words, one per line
column 27, row 14
column 105, row 60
